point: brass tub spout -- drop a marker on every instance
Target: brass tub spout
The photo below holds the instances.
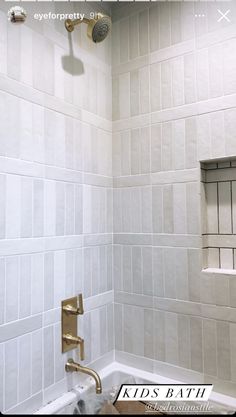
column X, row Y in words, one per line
column 72, row 366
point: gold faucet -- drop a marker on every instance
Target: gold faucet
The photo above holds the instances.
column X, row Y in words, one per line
column 69, row 309
column 75, row 339
column 72, row 366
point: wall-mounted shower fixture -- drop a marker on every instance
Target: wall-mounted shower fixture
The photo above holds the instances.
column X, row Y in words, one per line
column 17, row 14
column 98, row 27
column 75, row 340
column 77, row 309
column 72, row 366
column 70, row 309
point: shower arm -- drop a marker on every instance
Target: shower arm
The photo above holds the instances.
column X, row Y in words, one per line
column 70, row 24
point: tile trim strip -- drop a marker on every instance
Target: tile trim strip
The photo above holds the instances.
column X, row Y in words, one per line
column 195, row 309
column 9, row 247
column 21, row 167
column 20, row 327
column 25, row 92
column 175, row 113
column 158, row 240
column 175, row 50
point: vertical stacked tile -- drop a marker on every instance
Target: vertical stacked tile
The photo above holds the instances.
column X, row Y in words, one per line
column 55, row 202
column 173, row 106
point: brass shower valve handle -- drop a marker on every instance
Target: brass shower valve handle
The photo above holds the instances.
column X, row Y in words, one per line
column 72, row 310
column 75, row 339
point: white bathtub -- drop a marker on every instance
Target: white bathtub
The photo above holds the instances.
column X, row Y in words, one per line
column 112, row 377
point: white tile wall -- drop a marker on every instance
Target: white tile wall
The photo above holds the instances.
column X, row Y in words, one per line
column 55, row 201
column 12, row 288
column 223, row 350
column 173, row 97
column 124, row 34
column 190, row 112
column 24, row 367
column 184, row 341
column 10, row 372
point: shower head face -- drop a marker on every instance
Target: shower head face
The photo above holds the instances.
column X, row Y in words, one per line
column 99, row 28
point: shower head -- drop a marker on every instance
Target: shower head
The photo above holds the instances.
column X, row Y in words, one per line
column 98, row 27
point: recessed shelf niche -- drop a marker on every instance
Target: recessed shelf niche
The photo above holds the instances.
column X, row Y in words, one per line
column 219, row 215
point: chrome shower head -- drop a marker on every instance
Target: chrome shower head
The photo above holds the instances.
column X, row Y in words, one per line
column 98, row 27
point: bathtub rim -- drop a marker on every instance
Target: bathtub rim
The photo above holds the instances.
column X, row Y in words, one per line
column 64, row 400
